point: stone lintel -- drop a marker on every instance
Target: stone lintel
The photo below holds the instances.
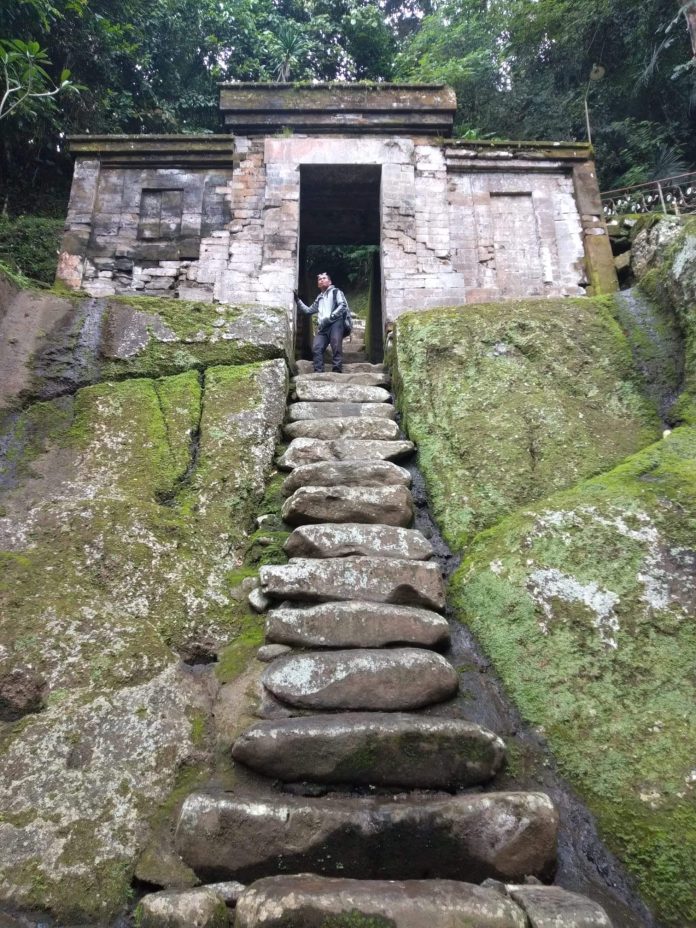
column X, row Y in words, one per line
column 156, row 150
column 511, row 150
column 325, row 108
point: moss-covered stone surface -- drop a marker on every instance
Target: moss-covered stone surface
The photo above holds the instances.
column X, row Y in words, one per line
column 664, row 262
column 587, row 606
column 509, row 402
column 580, row 590
column 72, row 340
column 127, row 512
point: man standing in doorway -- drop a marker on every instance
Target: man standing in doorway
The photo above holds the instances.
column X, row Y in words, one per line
column 331, row 309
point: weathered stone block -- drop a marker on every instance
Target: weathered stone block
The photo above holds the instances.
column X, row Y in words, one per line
column 500, row 835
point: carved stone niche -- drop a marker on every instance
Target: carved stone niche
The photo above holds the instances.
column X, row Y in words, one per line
column 146, row 199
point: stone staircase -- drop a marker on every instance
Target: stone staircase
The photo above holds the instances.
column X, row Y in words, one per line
column 388, row 822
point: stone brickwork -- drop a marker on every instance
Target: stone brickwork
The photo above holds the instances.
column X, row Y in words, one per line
column 218, row 217
column 146, row 214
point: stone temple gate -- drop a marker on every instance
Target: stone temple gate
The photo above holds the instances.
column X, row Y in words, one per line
column 227, row 217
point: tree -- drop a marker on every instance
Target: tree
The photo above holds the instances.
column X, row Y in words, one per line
column 25, row 83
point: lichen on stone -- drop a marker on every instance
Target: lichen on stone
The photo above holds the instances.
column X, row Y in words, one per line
column 509, row 402
column 129, row 509
column 586, row 605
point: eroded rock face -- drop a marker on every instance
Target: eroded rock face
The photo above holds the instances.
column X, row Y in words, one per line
column 329, row 540
column 386, row 749
column 71, row 343
column 312, row 901
column 347, row 473
column 385, row 580
column 501, row 835
column 379, row 679
column 381, row 505
column 118, row 535
column 360, row 427
column 355, row 625
column 179, row 334
column 531, row 398
column 310, row 451
column 339, row 410
column 570, row 595
column 316, row 391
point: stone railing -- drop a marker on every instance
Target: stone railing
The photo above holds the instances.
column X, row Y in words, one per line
column 675, row 195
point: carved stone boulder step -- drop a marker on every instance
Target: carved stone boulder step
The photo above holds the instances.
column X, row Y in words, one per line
column 350, row 539
column 363, row 427
column 311, row 450
column 505, row 836
column 371, row 679
column 315, row 391
column 381, row 580
column 202, row 907
column 346, row 474
column 314, row 902
column 360, row 367
column 552, row 907
column 326, row 410
column 355, row 625
column 381, row 379
column 369, row 505
column 373, row 748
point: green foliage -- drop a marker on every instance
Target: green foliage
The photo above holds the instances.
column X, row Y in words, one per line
column 26, row 86
column 29, row 246
column 521, row 69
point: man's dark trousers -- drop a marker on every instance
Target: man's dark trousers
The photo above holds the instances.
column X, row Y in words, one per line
column 329, row 335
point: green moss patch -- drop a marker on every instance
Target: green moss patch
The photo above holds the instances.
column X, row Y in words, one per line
column 586, row 605
column 159, row 336
column 131, row 508
column 509, row 402
column 668, row 276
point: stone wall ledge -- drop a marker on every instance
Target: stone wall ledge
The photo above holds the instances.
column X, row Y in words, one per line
column 152, row 150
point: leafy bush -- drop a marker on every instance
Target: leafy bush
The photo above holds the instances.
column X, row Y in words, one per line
column 29, row 246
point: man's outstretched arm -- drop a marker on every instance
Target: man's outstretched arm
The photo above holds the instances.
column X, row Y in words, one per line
column 307, row 310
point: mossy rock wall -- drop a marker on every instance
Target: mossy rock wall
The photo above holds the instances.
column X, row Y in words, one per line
column 584, row 598
column 586, row 605
column 54, row 342
column 126, row 515
column 663, row 259
column 509, row 402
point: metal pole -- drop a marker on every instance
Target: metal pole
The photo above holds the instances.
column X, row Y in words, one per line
column 662, row 197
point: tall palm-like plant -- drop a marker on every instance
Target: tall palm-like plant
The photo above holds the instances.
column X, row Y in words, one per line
column 287, row 46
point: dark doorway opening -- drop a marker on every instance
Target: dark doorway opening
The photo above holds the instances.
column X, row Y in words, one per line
column 340, row 234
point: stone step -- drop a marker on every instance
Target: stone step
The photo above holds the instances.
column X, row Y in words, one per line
column 315, row 902
column 367, row 379
column 353, row 539
column 355, row 625
column 346, row 474
column 316, row 391
column 382, row 580
column 369, row 749
column 374, row 680
column 369, row 505
column 504, row 836
column 327, row 410
column 363, row 367
column 312, row 450
column 364, row 427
